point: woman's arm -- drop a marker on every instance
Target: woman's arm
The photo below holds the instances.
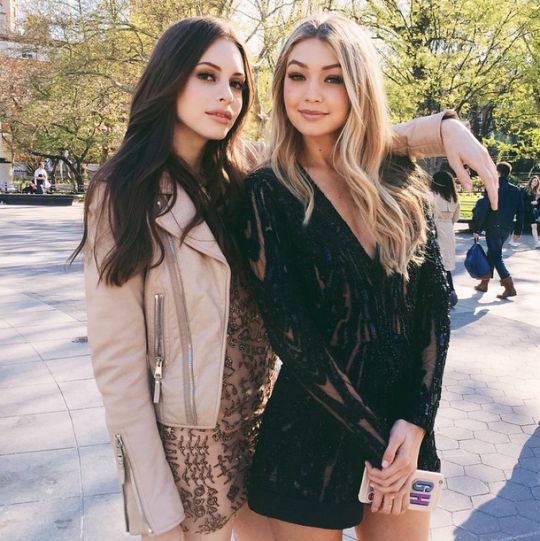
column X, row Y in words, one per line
column 430, row 339
column 291, row 330
column 444, row 135
column 455, row 216
column 431, row 335
column 117, row 339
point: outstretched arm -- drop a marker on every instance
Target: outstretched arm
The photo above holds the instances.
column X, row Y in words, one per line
column 444, row 135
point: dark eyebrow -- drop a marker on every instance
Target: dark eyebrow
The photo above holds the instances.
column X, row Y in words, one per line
column 302, row 65
column 219, row 69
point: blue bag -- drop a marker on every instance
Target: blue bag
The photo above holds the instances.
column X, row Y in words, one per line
column 476, row 261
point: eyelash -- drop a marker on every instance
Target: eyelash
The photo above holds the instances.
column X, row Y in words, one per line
column 332, row 79
column 211, row 78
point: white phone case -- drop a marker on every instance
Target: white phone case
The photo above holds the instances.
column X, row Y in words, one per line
column 425, row 490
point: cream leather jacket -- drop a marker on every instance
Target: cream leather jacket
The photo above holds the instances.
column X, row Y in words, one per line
column 158, row 343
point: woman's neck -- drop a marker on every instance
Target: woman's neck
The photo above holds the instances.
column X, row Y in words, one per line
column 189, row 149
column 317, row 152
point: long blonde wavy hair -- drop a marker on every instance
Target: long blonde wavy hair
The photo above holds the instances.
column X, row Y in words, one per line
column 394, row 206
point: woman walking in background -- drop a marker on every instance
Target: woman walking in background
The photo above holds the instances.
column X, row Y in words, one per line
column 531, row 206
column 446, row 214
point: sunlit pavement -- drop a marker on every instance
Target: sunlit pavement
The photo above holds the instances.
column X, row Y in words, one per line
column 57, row 473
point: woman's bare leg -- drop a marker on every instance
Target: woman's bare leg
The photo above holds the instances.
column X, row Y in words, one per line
column 285, row 531
column 224, row 534
column 250, row 526
column 411, row 526
column 534, row 231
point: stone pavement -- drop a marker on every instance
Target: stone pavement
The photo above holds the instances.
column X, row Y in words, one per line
column 57, row 473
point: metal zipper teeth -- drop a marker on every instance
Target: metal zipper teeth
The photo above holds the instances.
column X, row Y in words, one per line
column 185, row 334
column 121, row 457
column 159, row 357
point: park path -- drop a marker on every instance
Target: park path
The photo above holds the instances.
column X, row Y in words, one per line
column 57, row 472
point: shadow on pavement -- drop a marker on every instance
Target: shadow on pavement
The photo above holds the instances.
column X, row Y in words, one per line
column 514, row 513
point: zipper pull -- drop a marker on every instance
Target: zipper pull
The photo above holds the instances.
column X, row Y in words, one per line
column 158, row 375
column 120, row 462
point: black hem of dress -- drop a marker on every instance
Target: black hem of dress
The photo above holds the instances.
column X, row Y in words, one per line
column 305, row 513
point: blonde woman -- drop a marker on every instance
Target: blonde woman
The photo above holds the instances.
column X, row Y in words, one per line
column 351, row 286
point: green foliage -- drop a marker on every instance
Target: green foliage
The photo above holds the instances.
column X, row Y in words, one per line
column 480, row 57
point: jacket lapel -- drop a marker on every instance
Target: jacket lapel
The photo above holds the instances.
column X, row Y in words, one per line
column 175, row 221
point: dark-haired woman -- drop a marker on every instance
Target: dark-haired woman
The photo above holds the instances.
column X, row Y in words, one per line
column 446, row 214
column 179, row 350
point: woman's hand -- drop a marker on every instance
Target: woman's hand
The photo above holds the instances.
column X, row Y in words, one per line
column 462, row 149
column 176, row 534
column 391, row 483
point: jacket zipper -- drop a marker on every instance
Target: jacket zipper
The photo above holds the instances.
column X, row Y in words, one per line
column 158, row 346
column 125, row 476
column 185, row 334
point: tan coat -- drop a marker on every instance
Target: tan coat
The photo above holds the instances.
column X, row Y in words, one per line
column 158, row 344
column 446, row 214
column 176, row 316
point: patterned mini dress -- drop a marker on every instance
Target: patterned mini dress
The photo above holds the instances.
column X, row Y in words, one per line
column 210, row 466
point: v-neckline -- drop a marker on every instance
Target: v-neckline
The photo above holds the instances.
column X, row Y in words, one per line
column 350, row 232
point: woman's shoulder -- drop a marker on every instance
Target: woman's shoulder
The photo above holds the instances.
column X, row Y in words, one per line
column 261, row 174
column 264, row 179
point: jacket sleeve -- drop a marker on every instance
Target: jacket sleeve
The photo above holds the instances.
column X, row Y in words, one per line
column 431, row 338
column 479, row 214
column 421, row 137
column 117, row 339
column 291, row 330
column 457, row 211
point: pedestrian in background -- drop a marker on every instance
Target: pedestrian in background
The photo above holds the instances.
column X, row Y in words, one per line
column 498, row 225
column 446, row 214
column 531, row 207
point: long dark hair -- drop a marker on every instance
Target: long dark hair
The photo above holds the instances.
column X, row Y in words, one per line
column 132, row 176
column 443, row 184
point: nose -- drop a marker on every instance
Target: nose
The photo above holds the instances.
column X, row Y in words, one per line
column 225, row 93
column 313, row 93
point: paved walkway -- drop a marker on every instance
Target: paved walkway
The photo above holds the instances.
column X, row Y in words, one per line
column 57, row 474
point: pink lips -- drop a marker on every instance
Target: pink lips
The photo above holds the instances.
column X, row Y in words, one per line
column 309, row 114
column 223, row 117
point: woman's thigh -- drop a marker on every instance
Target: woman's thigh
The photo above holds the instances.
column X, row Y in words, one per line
column 250, row 526
column 411, row 526
column 223, row 534
column 286, row 531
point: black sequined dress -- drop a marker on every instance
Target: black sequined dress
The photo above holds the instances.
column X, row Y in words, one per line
column 359, row 349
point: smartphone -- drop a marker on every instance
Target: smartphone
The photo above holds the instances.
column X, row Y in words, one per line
column 425, row 491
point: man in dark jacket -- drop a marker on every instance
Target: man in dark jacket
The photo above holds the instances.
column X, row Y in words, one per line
column 498, row 225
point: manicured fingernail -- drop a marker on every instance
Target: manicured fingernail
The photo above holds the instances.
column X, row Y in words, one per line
column 384, row 464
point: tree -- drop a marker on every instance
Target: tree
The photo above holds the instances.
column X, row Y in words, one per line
column 463, row 54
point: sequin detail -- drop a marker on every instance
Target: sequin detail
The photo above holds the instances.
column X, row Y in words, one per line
column 360, row 349
column 210, row 466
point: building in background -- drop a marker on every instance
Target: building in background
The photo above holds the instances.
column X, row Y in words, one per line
column 8, row 28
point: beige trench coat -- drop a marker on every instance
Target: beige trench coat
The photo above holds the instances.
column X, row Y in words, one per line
column 446, row 215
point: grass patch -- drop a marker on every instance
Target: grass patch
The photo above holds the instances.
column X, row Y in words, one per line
column 467, row 200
